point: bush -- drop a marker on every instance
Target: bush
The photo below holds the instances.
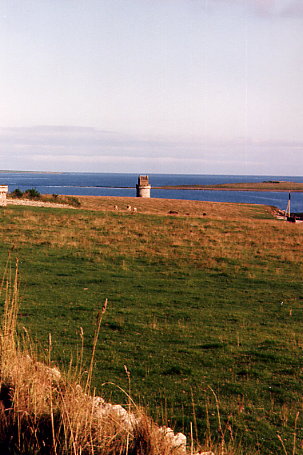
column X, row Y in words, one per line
column 32, row 194
column 17, row 193
column 73, row 201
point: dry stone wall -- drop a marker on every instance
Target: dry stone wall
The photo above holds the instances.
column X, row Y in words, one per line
column 3, row 193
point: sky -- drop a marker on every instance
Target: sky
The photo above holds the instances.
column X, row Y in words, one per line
column 152, row 86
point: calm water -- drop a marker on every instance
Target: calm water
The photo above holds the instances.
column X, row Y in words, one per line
column 99, row 184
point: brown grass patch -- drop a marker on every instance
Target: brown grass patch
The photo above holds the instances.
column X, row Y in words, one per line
column 165, row 206
column 230, row 232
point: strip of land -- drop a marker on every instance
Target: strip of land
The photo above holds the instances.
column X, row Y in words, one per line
column 271, row 185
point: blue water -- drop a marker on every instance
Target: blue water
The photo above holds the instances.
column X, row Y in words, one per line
column 101, row 184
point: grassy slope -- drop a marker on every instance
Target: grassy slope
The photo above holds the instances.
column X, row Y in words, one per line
column 194, row 301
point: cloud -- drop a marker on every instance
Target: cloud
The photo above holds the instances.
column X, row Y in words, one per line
column 278, row 8
column 261, row 5
column 78, row 141
column 263, row 8
column 91, row 150
column 294, row 9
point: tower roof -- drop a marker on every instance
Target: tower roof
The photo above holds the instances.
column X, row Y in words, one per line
column 143, row 180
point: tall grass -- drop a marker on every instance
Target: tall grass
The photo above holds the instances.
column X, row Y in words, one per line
column 45, row 411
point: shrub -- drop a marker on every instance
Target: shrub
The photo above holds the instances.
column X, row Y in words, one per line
column 17, row 193
column 32, row 193
column 71, row 200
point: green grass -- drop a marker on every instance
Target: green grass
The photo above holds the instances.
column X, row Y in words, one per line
column 193, row 303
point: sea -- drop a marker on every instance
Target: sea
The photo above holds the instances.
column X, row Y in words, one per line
column 123, row 184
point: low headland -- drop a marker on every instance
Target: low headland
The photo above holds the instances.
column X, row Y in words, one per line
column 270, row 185
column 203, row 326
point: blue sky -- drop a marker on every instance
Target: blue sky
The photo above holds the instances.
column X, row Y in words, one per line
column 180, row 86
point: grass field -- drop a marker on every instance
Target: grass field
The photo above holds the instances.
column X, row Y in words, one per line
column 195, row 308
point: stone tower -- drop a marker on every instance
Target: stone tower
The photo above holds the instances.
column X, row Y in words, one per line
column 143, row 187
column 3, row 193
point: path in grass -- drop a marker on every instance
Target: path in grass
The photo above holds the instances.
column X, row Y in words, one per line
column 36, row 203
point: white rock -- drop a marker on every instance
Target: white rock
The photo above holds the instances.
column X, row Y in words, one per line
column 129, row 421
column 177, row 441
column 52, row 373
column 127, row 417
column 103, row 409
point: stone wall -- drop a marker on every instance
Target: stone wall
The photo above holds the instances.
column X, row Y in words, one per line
column 3, row 193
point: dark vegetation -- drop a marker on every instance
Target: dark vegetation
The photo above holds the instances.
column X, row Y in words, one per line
column 34, row 195
column 199, row 308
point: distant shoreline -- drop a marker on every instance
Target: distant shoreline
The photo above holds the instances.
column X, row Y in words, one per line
column 209, row 188
column 3, row 171
column 267, row 186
